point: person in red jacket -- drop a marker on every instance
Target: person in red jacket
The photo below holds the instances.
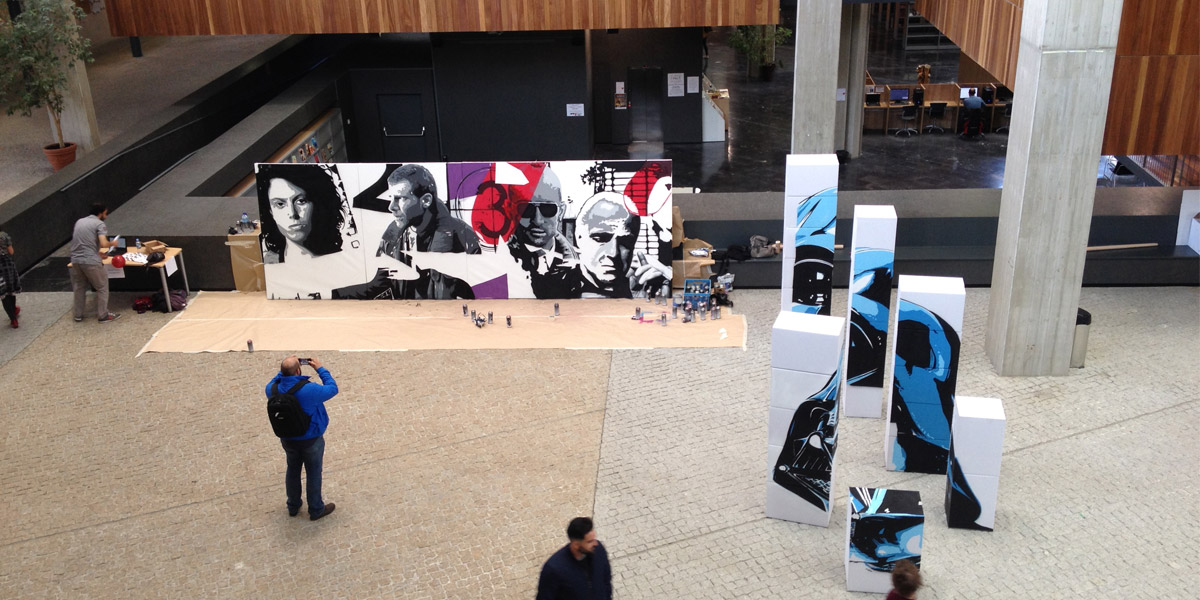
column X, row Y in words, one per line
column 906, row 580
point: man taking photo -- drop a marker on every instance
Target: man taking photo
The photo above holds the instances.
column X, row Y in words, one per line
column 307, row 449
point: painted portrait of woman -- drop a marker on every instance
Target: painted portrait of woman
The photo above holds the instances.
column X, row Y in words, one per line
column 303, row 211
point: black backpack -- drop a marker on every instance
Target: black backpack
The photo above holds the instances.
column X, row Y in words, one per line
column 288, row 419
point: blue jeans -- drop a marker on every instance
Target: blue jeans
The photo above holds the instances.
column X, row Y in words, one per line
column 309, row 454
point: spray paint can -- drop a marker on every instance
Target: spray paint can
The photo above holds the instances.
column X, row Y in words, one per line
column 637, row 312
column 464, row 310
column 556, row 309
column 703, row 314
column 472, row 314
column 250, row 345
column 508, row 320
column 674, row 311
column 489, row 317
column 662, row 319
column 717, row 312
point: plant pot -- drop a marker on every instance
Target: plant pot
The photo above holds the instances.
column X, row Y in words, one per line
column 60, row 157
column 766, row 72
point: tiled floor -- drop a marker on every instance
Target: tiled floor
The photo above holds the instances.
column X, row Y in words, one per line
column 456, row 472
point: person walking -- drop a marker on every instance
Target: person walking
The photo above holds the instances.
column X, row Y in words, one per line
column 579, row 570
column 306, row 450
column 87, row 266
column 10, row 281
column 906, row 580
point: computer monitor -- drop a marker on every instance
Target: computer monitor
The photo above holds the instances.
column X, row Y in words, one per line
column 964, row 92
column 898, row 95
column 873, row 99
column 1003, row 94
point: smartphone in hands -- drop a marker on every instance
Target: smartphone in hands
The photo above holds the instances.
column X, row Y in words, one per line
column 303, row 361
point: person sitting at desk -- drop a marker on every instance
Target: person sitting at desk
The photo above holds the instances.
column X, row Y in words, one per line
column 972, row 101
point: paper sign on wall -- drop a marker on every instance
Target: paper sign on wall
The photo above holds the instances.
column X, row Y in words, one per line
column 574, row 110
column 693, row 85
column 674, row 84
column 620, row 88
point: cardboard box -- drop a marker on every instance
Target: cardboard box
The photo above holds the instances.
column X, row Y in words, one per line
column 691, row 267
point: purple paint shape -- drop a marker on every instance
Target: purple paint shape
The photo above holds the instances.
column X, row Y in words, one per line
column 464, row 179
column 492, row 289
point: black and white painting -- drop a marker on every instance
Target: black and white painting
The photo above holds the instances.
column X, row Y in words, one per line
column 572, row 229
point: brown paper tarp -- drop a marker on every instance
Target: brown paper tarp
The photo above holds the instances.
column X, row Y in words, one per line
column 224, row 321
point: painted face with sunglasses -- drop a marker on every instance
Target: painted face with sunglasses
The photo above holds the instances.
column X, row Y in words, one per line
column 540, row 218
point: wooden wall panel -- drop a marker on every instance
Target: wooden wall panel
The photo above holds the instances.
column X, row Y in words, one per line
column 1160, row 112
column 1152, row 27
column 988, row 31
column 1154, row 103
column 240, row 17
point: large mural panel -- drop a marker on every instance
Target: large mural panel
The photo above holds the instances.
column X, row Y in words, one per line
column 439, row 231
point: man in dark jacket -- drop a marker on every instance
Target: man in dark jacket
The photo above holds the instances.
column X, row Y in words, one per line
column 308, row 449
column 423, row 223
column 579, row 570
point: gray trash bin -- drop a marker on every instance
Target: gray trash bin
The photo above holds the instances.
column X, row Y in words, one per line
column 1083, row 322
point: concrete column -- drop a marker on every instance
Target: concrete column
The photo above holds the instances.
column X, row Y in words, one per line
column 814, row 93
column 852, row 64
column 1064, row 71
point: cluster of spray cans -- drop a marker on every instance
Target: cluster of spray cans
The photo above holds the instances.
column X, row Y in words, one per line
column 480, row 321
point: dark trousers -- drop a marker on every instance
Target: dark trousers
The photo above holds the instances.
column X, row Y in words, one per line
column 307, row 453
column 10, row 307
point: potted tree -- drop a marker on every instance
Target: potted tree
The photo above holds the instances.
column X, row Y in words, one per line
column 36, row 49
column 757, row 43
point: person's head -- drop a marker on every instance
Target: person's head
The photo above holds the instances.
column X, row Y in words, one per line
column 290, row 366
column 411, row 190
column 605, row 233
column 540, row 218
column 582, row 536
column 304, row 205
column 99, row 210
column 906, row 578
column 971, row 92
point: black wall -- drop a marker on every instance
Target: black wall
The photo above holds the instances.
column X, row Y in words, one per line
column 672, row 50
column 504, row 96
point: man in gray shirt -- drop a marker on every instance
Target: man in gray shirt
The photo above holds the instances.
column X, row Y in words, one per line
column 87, row 266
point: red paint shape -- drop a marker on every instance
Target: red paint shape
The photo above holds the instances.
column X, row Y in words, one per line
column 642, row 183
column 498, row 206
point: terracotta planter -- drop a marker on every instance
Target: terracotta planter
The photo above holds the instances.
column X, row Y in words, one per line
column 60, row 157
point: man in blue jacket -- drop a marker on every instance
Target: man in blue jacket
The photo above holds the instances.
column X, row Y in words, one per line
column 307, row 449
column 579, row 570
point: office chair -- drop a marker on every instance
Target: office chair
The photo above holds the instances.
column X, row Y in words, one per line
column 1007, row 119
column 937, row 110
column 908, row 114
column 972, row 124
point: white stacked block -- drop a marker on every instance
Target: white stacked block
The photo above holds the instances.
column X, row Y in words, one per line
column 978, row 435
column 874, row 228
column 859, row 576
column 804, row 176
column 806, row 342
column 942, row 296
column 784, row 505
column 805, row 356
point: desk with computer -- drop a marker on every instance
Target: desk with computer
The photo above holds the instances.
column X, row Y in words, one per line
column 932, row 108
